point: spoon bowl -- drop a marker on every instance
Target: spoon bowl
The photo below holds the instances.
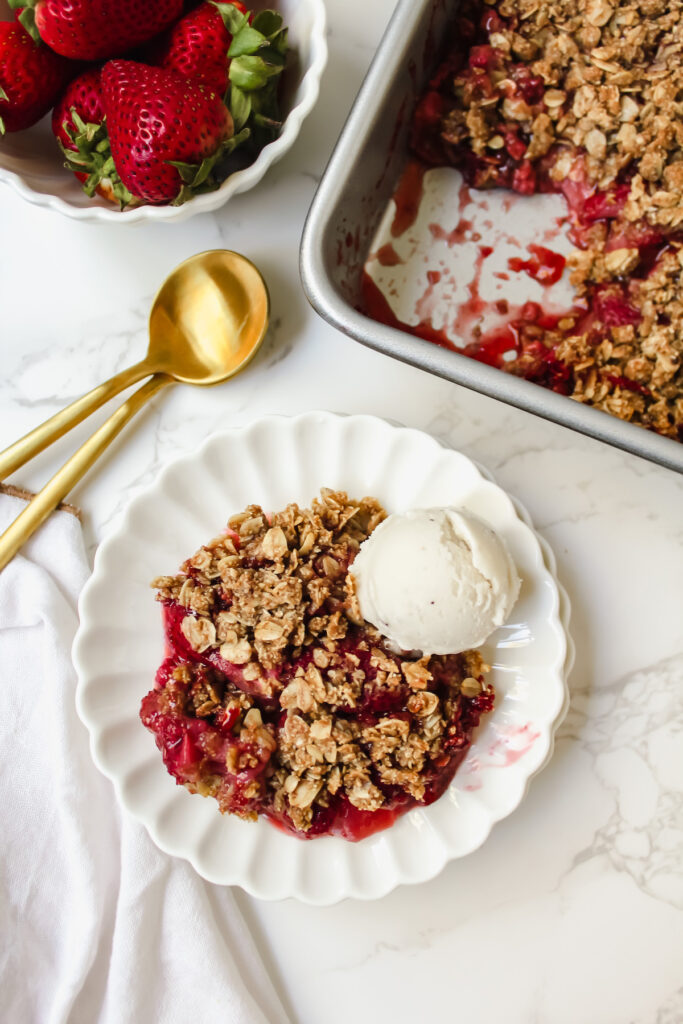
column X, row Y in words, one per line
column 209, row 318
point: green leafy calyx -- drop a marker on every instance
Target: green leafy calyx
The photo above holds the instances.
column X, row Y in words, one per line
column 92, row 157
column 27, row 18
column 257, row 55
column 205, row 176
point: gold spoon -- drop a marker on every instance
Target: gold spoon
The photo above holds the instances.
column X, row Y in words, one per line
column 207, row 321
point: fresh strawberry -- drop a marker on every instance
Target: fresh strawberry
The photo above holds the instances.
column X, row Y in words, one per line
column 82, row 97
column 197, row 46
column 167, row 133
column 96, row 29
column 223, row 45
column 30, row 78
column 78, row 123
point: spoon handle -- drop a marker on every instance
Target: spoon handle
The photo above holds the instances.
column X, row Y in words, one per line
column 38, row 510
column 51, row 430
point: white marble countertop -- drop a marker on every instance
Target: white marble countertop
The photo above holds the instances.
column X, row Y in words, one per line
column 571, row 912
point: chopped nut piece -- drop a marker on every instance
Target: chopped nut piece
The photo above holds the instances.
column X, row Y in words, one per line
column 416, row 673
column 596, row 143
column 321, row 658
column 238, row 653
column 620, row 261
column 554, row 97
column 200, row 633
column 274, row 544
column 305, row 793
column 470, row 687
column 422, row 704
column 253, row 719
column 322, row 728
column 307, row 543
column 330, row 566
column 268, row 629
column 365, row 796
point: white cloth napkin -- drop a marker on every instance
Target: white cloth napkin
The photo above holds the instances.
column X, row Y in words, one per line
column 96, row 925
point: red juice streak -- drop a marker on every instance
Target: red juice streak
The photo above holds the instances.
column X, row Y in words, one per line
column 376, row 306
column 454, row 237
column 552, row 232
column 423, row 306
column 464, row 197
column 544, row 266
column 408, row 197
column 475, row 304
column 492, row 346
column 464, row 225
column 511, row 755
column 489, row 347
column 472, row 311
column 387, row 256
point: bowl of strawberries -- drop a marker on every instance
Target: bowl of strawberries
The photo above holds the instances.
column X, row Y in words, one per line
column 164, row 112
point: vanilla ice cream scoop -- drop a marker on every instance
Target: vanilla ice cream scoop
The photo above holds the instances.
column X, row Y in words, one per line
column 437, row 580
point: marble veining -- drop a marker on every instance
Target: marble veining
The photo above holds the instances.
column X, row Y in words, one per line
column 573, row 909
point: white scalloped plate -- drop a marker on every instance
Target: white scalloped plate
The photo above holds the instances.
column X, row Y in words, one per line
column 31, row 164
column 120, row 642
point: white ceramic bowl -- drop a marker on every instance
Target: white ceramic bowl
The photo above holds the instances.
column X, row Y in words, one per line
column 31, row 163
column 120, row 643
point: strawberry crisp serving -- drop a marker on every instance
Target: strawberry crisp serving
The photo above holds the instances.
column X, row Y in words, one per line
column 276, row 698
column 581, row 97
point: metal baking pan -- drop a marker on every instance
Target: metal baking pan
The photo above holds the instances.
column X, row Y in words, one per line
column 351, row 199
